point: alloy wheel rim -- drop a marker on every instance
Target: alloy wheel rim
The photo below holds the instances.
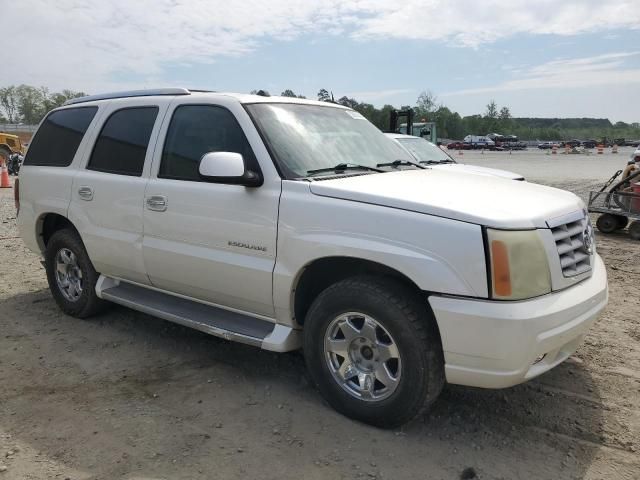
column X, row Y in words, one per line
column 362, row 356
column 68, row 274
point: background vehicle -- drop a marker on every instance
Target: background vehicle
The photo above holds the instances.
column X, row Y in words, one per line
column 459, row 146
column 429, row 154
column 424, row 129
column 618, row 204
column 10, row 144
column 14, row 163
column 479, row 141
column 571, row 143
column 507, row 142
column 285, row 223
column 546, row 145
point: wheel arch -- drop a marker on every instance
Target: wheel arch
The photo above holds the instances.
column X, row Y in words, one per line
column 48, row 224
column 323, row 272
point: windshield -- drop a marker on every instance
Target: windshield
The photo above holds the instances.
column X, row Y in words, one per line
column 304, row 138
column 423, row 150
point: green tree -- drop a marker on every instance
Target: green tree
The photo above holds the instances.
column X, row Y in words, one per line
column 290, row 93
column 323, row 95
column 9, row 103
column 426, row 105
column 31, row 103
column 349, row 102
column 490, row 123
column 504, row 120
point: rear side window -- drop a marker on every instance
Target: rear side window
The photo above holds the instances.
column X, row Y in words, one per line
column 59, row 136
column 198, row 129
column 122, row 144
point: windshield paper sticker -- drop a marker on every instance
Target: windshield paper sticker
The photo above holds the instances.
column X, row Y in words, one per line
column 355, row 115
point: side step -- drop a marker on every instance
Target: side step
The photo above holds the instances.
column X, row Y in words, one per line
column 216, row 321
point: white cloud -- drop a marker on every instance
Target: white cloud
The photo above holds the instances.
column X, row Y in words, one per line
column 90, row 44
column 600, row 70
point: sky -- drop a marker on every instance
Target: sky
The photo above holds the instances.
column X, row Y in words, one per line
column 543, row 58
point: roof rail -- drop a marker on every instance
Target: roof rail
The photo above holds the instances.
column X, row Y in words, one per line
column 130, row 93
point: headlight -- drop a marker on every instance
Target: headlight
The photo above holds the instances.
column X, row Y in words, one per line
column 518, row 263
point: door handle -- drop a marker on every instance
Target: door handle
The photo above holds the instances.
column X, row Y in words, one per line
column 85, row 193
column 157, row 203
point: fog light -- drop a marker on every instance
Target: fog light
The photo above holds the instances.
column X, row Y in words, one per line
column 539, row 358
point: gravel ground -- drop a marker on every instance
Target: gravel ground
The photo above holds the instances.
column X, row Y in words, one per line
column 129, row 396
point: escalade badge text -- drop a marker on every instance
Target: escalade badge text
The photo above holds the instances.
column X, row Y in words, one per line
column 247, row 246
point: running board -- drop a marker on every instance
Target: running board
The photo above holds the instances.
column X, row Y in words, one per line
column 213, row 320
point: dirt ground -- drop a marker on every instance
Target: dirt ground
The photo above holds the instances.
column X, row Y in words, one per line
column 129, row 396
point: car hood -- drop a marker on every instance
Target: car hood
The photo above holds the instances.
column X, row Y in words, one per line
column 483, row 200
column 463, row 168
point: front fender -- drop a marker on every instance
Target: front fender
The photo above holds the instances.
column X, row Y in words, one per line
column 437, row 254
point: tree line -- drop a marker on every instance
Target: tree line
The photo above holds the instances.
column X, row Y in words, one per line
column 494, row 119
column 27, row 104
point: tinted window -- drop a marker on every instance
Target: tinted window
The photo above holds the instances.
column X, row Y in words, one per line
column 59, row 136
column 198, row 129
column 123, row 141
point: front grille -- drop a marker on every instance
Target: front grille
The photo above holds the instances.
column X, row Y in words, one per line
column 575, row 247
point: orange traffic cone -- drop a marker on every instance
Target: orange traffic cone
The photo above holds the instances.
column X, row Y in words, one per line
column 4, row 176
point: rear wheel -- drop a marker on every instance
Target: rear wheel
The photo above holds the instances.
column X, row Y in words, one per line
column 71, row 276
column 607, row 223
column 634, row 230
column 373, row 351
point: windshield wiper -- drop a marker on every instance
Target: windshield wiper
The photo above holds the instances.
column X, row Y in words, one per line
column 341, row 167
column 437, row 162
column 397, row 163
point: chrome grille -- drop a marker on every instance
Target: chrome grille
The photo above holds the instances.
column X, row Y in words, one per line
column 574, row 242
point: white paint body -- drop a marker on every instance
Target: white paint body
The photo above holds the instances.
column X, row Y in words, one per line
column 425, row 224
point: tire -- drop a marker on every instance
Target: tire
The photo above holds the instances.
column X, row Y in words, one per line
column 622, row 222
column 402, row 319
column 634, row 230
column 67, row 245
column 607, row 223
column 5, row 153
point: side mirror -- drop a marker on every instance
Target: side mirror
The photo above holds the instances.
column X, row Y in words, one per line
column 229, row 168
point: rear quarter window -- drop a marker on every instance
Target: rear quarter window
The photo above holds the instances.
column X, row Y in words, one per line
column 57, row 140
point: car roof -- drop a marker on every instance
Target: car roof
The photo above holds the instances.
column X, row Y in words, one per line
column 178, row 92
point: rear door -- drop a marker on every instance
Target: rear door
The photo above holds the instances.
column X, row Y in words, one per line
column 211, row 241
column 108, row 190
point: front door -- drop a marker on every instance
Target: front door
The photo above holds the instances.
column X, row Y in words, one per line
column 209, row 241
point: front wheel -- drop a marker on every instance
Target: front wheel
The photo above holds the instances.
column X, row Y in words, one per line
column 372, row 349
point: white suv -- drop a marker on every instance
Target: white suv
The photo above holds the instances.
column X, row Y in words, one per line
column 287, row 223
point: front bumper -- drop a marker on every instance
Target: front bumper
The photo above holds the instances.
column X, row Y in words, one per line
column 493, row 344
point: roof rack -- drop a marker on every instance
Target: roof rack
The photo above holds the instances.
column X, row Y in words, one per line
column 130, row 93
